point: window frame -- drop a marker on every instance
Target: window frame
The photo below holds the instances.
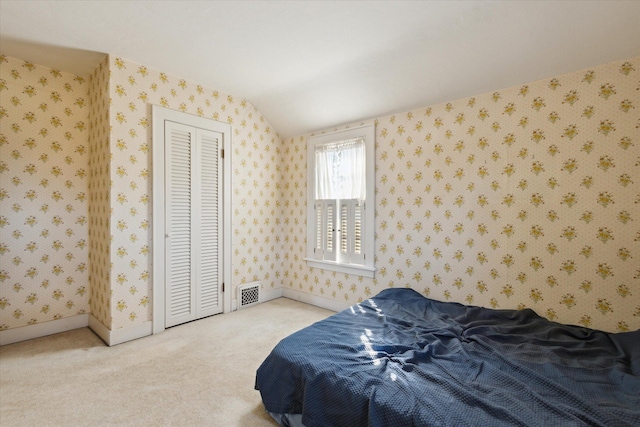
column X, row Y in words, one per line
column 367, row 269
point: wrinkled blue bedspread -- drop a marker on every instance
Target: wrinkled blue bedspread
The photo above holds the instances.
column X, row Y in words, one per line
column 400, row 359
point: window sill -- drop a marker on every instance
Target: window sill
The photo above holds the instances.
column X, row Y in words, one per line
column 358, row 270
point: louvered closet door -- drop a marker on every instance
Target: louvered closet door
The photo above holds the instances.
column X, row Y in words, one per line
column 193, row 211
column 209, row 254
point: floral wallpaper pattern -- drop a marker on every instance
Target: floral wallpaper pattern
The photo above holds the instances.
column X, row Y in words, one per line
column 44, row 174
column 100, row 195
column 526, row 197
column 132, row 89
column 87, row 145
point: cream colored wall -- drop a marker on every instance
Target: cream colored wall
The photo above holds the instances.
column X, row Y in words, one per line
column 255, row 179
column 100, row 195
column 102, row 190
column 44, row 174
column 525, row 197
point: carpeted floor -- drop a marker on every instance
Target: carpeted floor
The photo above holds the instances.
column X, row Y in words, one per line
column 197, row 374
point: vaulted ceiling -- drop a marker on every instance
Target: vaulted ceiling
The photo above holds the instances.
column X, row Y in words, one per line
column 309, row 65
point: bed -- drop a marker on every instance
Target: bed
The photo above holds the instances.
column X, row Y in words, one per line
column 400, row 359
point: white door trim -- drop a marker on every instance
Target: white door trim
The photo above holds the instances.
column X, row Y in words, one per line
column 158, row 116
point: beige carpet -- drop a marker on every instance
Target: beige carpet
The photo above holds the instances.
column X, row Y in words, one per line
column 197, row 374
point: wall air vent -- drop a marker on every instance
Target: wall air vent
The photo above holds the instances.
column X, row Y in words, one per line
column 248, row 295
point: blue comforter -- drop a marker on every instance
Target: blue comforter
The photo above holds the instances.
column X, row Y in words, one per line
column 400, row 359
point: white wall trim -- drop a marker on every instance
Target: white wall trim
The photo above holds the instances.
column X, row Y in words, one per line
column 118, row 336
column 158, row 116
column 269, row 294
column 355, row 269
column 99, row 329
column 317, row 259
column 38, row 330
column 321, row 302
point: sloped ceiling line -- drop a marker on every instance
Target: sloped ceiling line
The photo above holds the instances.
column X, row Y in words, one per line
column 309, row 65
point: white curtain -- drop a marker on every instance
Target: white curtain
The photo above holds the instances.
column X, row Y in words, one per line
column 340, row 170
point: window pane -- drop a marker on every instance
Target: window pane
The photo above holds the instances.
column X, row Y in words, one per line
column 340, row 170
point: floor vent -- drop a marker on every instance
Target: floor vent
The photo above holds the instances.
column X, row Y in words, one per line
column 248, row 295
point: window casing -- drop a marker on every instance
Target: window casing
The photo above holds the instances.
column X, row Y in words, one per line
column 340, row 205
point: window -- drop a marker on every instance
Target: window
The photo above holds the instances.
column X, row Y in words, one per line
column 340, row 205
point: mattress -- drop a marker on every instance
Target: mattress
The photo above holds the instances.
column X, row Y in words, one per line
column 400, row 359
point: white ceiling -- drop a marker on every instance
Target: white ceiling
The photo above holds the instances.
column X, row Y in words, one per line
column 309, row 65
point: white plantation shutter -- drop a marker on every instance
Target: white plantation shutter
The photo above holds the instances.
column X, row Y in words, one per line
column 339, row 226
column 358, row 239
column 350, row 231
column 318, row 245
column 351, row 226
column 326, row 227
column 193, row 210
column 345, row 227
column 330, row 209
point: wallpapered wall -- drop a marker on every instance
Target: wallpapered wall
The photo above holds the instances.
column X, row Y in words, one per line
column 99, row 195
column 69, row 189
column 132, row 89
column 525, row 197
column 44, row 121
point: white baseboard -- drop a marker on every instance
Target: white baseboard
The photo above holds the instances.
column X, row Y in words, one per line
column 38, row 330
column 268, row 295
column 321, row 302
column 119, row 336
column 99, row 329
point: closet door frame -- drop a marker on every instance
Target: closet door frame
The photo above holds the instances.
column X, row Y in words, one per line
column 159, row 116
